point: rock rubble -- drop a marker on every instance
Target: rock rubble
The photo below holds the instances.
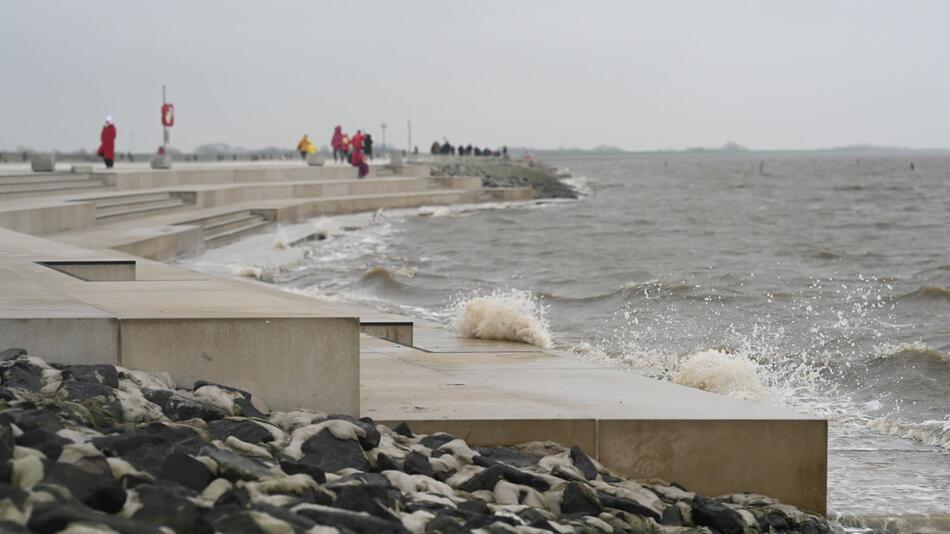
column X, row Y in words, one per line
column 544, row 179
column 100, row 448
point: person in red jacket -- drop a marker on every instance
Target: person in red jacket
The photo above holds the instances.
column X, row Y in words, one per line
column 357, row 140
column 336, row 143
column 359, row 161
column 107, row 143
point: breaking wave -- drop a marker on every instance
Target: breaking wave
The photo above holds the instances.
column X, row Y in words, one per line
column 720, row 372
column 511, row 316
column 281, row 239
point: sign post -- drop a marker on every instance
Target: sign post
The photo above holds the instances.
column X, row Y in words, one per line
column 163, row 160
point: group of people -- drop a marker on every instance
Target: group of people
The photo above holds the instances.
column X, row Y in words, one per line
column 446, row 149
column 354, row 150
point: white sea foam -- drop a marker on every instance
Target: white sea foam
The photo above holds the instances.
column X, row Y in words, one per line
column 514, row 316
column 720, row 372
column 324, row 228
column 249, row 271
column 434, row 211
column 281, row 239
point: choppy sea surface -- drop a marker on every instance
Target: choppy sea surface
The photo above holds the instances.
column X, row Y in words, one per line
column 821, row 284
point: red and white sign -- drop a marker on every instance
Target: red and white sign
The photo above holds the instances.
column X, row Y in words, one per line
column 168, row 115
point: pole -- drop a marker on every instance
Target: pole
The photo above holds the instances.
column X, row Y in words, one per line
column 409, row 150
column 383, row 128
column 164, row 128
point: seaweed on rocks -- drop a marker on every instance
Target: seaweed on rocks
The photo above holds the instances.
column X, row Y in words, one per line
column 103, row 448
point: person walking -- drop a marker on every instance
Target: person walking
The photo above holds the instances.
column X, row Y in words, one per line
column 368, row 146
column 304, row 146
column 345, row 146
column 336, row 143
column 107, row 143
column 357, row 140
column 358, row 160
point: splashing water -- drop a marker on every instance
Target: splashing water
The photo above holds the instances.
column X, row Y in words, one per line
column 281, row 239
column 720, row 372
column 512, row 316
column 325, row 228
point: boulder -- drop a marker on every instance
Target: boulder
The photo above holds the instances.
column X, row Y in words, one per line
column 716, row 515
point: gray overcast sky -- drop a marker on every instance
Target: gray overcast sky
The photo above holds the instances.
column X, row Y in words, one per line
column 639, row 75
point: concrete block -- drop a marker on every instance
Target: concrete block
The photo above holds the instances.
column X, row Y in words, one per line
column 305, row 362
column 69, row 340
column 162, row 161
column 43, row 163
column 81, row 169
column 315, row 160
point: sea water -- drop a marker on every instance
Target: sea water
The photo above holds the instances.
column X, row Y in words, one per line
column 819, row 284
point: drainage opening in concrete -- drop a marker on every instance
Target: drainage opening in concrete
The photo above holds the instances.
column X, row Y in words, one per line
column 95, row 271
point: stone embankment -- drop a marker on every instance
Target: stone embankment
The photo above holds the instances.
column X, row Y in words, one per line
column 100, row 448
column 545, row 179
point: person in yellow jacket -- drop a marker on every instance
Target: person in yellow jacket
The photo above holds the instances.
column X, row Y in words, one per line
column 305, row 146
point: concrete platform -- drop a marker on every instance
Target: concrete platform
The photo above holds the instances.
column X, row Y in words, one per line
column 502, row 393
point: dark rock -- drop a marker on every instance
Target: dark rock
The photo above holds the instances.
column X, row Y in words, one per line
column 23, row 375
column 234, row 496
column 361, row 499
column 775, row 521
column 7, row 394
column 293, row 467
column 181, row 408
column 52, row 517
column 513, row 475
column 185, row 470
column 28, row 419
column 627, row 505
column 403, row 430
column 243, row 429
column 233, row 466
column 445, row 524
column 610, row 479
column 507, row 455
column 6, row 452
column 99, row 492
column 357, row 522
column 243, row 403
column 434, row 441
column 93, row 374
column 235, row 520
column 14, row 494
column 385, row 463
column 580, row 499
column 475, row 507
column 371, row 438
column 170, row 507
column 297, row 522
column 11, row 354
column 716, row 515
column 98, row 398
column 418, row 464
column 46, row 442
column 9, row 527
column 565, row 474
column 583, row 463
column 325, row 451
column 484, row 480
column 672, row 516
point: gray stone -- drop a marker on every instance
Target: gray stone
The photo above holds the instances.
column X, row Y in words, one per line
column 315, row 160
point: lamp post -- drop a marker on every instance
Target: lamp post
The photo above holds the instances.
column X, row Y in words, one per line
column 409, row 148
column 383, row 128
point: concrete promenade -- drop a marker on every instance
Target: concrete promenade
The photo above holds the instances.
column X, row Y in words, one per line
column 81, row 282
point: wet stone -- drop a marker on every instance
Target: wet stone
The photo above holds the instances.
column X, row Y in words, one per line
column 418, row 464
column 94, row 374
column 46, row 442
column 583, row 463
column 579, row 499
column 361, row 499
column 434, row 441
column 23, row 375
column 185, row 470
column 243, row 402
column 171, row 507
column 11, row 354
column 325, row 451
column 99, row 492
column 49, row 518
column 403, row 430
column 507, row 455
column 233, row 466
column 345, row 519
column 716, row 515
column 244, row 430
column 627, row 505
column 294, row 467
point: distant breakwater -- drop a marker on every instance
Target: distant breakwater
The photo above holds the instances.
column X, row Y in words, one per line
column 546, row 180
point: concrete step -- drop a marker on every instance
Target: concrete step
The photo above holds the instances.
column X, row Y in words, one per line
column 234, row 234
column 51, row 186
column 124, row 200
column 116, row 209
column 237, row 221
column 213, row 220
column 18, row 179
column 116, row 213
